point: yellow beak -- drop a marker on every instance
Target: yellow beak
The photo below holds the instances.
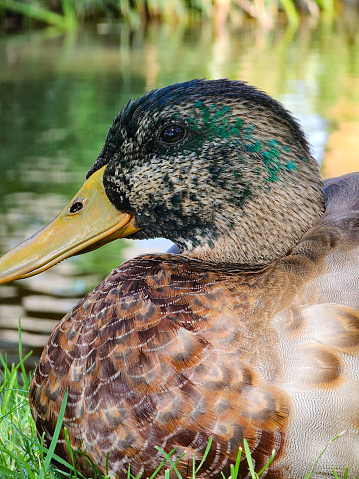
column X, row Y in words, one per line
column 86, row 223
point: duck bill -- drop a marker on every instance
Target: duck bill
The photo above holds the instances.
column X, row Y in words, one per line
column 86, row 223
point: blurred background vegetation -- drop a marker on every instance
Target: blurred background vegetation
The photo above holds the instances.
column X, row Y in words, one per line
column 69, row 13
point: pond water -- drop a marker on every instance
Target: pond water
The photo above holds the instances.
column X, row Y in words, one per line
column 60, row 92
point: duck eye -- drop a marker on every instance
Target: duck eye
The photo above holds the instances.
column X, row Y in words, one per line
column 172, row 134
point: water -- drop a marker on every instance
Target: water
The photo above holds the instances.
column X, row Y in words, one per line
column 59, row 94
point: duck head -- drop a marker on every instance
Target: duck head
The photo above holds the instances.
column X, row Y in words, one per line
column 218, row 167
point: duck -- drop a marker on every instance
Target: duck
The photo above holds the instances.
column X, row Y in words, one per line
column 248, row 328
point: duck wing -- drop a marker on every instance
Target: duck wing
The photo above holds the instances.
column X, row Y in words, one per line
column 319, row 339
column 153, row 357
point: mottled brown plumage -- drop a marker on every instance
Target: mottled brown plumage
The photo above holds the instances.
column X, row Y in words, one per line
column 251, row 332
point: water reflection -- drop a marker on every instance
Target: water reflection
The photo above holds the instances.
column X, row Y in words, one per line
column 58, row 95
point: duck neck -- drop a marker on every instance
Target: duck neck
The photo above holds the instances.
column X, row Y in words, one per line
column 262, row 232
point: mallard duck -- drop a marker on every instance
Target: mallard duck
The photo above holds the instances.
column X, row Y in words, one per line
column 249, row 328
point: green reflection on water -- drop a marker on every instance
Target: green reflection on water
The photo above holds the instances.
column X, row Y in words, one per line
column 59, row 94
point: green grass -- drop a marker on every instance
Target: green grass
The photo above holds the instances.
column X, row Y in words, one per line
column 23, row 455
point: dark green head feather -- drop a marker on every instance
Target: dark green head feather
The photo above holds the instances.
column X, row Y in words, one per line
column 218, row 167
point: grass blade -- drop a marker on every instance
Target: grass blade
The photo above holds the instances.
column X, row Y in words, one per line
column 268, row 463
column 205, row 454
column 249, row 459
column 55, row 437
column 235, row 468
column 162, row 463
column 307, row 476
column 173, row 465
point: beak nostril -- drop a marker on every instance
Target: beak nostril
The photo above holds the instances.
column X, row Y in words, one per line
column 76, row 207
